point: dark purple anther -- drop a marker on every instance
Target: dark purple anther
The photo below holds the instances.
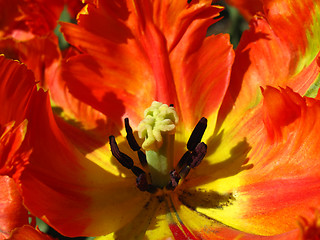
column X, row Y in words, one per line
column 185, row 160
column 198, row 154
column 142, row 158
column 137, row 171
column 142, row 182
column 197, row 134
column 130, row 137
column 184, row 171
column 122, row 158
column 174, row 180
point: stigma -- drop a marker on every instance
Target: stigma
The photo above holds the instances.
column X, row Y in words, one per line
column 158, row 131
column 156, row 155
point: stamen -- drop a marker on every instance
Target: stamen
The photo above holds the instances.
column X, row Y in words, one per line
column 184, row 171
column 142, row 159
column 198, row 154
column 197, row 134
column 142, row 182
column 133, row 143
column 174, row 180
column 130, row 137
column 137, row 171
column 122, row 158
column 185, row 160
column 158, row 130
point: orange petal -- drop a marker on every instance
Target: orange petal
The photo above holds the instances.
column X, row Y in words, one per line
column 280, row 109
column 301, row 19
column 67, row 190
column 268, row 55
column 141, row 57
column 201, row 75
column 12, row 214
column 283, row 182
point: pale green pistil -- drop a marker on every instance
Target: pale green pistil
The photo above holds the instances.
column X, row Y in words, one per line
column 158, row 130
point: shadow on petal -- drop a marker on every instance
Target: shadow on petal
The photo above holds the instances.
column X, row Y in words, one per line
column 208, row 172
column 205, row 199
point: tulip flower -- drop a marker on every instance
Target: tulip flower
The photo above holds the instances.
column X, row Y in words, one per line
column 166, row 141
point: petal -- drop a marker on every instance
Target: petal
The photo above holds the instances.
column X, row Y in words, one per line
column 47, row 71
column 12, row 214
column 248, row 8
column 164, row 217
column 302, row 20
column 94, row 201
column 15, row 97
column 280, row 141
column 152, row 61
column 74, row 7
column 28, row 233
column 40, row 17
column 136, row 228
column 196, row 225
column 68, row 191
column 66, row 176
column 79, row 117
column 12, row 161
column 202, row 75
column 9, row 12
column 268, row 55
column 31, row 53
column 23, row 20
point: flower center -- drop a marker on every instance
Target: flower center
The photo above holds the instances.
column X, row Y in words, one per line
column 158, row 130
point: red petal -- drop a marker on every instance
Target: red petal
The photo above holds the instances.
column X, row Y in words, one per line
column 12, row 214
column 15, row 96
column 74, row 7
column 12, row 161
column 68, row 190
column 23, row 19
column 28, row 233
column 47, row 72
column 31, row 53
column 248, row 8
